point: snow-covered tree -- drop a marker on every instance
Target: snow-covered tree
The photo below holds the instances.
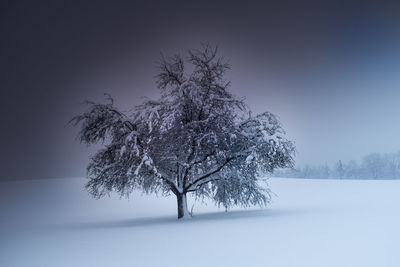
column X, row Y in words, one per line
column 352, row 170
column 373, row 165
column 340, row 170
column 325, row 171
column 197, row 138
column 393, row 165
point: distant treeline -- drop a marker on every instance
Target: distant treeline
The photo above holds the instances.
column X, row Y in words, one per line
column 372, row 166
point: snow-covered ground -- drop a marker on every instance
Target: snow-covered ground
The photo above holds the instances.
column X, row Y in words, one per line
column 318, row 223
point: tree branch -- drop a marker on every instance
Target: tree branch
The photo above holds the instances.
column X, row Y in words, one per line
column 208, row 174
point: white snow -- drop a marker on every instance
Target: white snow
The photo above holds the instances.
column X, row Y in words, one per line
column 321, row 223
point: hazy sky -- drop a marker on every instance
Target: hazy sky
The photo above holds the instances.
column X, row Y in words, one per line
column 329, row 70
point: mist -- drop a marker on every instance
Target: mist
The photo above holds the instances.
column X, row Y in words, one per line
column 328, row 70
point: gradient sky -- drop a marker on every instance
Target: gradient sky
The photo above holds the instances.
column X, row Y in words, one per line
column 329, row 70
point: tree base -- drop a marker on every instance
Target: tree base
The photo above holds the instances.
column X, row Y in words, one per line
column 182, row 206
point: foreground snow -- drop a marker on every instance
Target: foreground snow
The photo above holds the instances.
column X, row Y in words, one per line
column 310, row 223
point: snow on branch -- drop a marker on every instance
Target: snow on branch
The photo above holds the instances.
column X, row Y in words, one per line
column 195, row 138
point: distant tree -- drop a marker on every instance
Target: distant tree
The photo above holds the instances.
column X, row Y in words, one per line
column 326, row 171
column 197, row 138
column 306, row 171
column 373, row 165
column 352, row 170
column 393, row 165
column 340, row 169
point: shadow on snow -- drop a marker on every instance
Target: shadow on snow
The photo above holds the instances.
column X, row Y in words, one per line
column 172, row 220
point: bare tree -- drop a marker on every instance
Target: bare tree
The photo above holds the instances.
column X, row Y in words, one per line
column 197, row 138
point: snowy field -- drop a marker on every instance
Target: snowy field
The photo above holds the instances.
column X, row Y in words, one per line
column 319, row 223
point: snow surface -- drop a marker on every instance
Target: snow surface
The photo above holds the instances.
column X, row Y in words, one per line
column 310, row 223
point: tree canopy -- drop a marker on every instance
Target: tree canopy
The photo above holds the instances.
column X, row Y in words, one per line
column 196, row 138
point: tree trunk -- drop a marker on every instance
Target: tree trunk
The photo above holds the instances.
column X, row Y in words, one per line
column 182, row 205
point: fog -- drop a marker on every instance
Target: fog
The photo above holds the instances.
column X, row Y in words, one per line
column 329, row 70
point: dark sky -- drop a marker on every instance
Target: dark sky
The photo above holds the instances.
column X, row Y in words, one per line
column 330, row 70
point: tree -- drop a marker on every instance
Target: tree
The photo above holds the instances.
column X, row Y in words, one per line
column 326, row 171
column 393, row 164
column 352, row 170
column 373, row 165
column 340, row 170
column 197, row 138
